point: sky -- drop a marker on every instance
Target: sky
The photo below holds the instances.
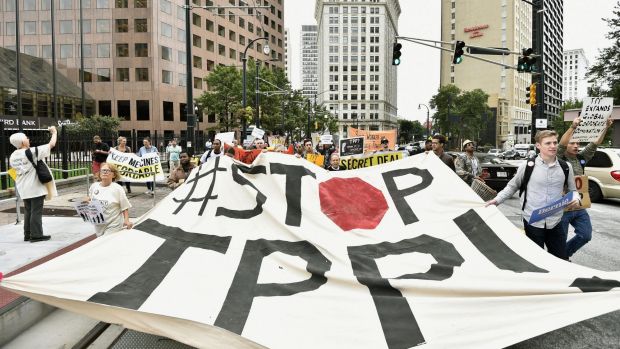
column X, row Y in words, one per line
column 418, row 74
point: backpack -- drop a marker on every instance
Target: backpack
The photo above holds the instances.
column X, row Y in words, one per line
column 528, row 173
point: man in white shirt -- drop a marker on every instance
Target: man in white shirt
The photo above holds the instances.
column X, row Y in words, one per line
column 213, row 153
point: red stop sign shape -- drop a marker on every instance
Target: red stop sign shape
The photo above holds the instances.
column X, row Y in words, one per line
column 352, row 203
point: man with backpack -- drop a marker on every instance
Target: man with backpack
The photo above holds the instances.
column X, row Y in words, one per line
column 212, row 153
column 568, row 150
column 541, row 181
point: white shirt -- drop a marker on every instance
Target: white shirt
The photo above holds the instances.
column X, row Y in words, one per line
column 28, row 184
column 210, row 154
column 114, row 202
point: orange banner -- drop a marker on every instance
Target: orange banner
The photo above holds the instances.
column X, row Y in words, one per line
column 372, row 139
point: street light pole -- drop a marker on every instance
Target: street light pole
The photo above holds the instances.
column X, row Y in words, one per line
column 308, row 126
column 428, row 125
column 244, row 59
column 189, row 108
column 257, row 96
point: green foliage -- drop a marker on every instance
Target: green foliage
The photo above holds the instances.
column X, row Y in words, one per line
column 558, row 124
column 94, row 124
column 410, row 130
column 469, row 112
column 605, row 73
column 224, row 96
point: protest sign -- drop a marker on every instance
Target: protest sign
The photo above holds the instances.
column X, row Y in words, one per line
column 91, row 211
column 581, row 183
column 133, row 168
column 372, row 139
column 225, row 137
column 326, row 139
column 556, row 206
column 594, row 115
column 316, row 159
column 282, row 254
column 316, row 139
column 368, row 160
column 276, row 140
column 257, row 133
column 351, row 146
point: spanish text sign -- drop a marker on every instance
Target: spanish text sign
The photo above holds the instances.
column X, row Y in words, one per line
column 282, row 254
column 134, row 168
column 594, row 114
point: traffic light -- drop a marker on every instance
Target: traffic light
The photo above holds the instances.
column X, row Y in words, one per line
column 530, row 95
column 526, row 63
column 396, row 53
column 458, row 52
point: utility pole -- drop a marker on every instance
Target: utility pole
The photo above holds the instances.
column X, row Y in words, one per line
column 538, row 77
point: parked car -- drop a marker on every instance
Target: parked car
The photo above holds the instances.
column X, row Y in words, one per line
column 510, row 154
column 495, row 152
column 495, row 171
column 603, row 172
column 523, row 149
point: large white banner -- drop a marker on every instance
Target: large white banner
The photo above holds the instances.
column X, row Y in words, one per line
column 594, row 115
column 284, row 254
column 134, row 168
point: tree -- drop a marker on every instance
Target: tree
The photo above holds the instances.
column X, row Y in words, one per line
column 410, row 130
column 223, row 97
column 558, row 124
column 88, row 126
column 605, row 73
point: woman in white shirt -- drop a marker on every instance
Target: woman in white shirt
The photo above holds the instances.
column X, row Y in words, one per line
column 29, row 188
column 113, row 201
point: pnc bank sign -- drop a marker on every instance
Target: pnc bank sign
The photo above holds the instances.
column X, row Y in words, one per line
column 475, row 31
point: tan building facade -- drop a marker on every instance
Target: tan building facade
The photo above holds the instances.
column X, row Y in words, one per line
column 135, row 50
column 500, row 24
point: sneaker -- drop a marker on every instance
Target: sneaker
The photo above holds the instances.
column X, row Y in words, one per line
column 26, row 237
column 148, row 192
column 40, row 238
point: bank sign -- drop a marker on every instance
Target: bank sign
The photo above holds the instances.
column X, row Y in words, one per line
column 11, row 122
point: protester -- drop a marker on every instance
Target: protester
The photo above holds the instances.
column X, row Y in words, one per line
column 308, row 148
column 113, row 201
column 100, row 154
column 124, row 148
column 212, row 153
column 146, row 149
column 299, row 150
column 568, row 150
column 334, row 162
column 385, row 146
column 173, row 151
column 467, row 165
column 28, row 185
column 208, row 145
column 326, row 150
column 548, row 177
column 438, row 143
column 428, row 145
column 180, row 173
column 260, row 144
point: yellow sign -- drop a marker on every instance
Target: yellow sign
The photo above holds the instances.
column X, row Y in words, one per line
column 12, row 173
column 316, row 159
column 355, row 162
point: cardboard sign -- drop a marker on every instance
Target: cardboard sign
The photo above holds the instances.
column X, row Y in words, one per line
column 282, row 254
column 316, row 159
column 581, row 182
column 594, row 115
column 351, row 146
column 91, row 212
column 257, row 133
column 226, row 137
column 276, row 140
column 133, row 168
column 369, row 160
column 372, row 139
column 326, row 139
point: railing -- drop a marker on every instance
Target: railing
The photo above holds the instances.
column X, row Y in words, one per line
column 86, row 171
column 16, row 198
column 154, row 180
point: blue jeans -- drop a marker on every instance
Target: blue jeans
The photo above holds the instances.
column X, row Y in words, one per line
column 580, row 220
column 553, row 238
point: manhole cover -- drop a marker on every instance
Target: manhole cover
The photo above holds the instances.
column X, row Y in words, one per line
column 48, row 211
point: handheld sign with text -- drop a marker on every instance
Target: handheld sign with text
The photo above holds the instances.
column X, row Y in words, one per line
column 225, row 137
column 91, row 212
column 351, row 146
column 327, row 139
column 594, row 115
column 581, row 183
column 134, row 168
column 558, row 205
column 257, row 133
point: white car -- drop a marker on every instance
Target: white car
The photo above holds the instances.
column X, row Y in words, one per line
column 495, row 152
column 603, row 172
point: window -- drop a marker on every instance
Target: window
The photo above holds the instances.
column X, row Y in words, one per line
column 46, row 27
column 141, row 25
column 166, row 29
column 30, row 28
column 166, row 53
column 182, row 57
column 66, row 4
column 141, row 49
column 165, row 6
column 122, row 74
column 221, row 50
column 181, row 35
column 182, row 80
column 168, row 110
column 45, row 5
column 46, row 51
column 210, row 46
column 85, row 26
column 198, row 83
column 103, row 75
column 121, row 3
column 105, row 108
column 141, row 3
column 66, row 27
column 30, row 5
column 196, row 41
column 122, row 50
column 88, row 50
column 30, row 50
column 66, row 51
column 103, row 25
column 103, row 50
column 143, row 112
column 122, row 25
column 196, row 20
column 166, row 77
column 85, row 3
column 197, row 62
column 142, row 74
column 181, row 13
column 209, row 25
column 600, row 159
column 103, row 4
column 123, row 109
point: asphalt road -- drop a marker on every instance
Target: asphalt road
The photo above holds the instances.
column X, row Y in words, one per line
column 600, row 253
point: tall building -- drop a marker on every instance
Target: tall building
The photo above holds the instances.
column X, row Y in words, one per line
column 576, row 66
column 288, row 59
column 502, row 24
column 134, row 51
column 309, row 59
column 553, row 48
column 357, row 80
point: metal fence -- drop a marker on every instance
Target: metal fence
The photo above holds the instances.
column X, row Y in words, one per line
column 75, row 151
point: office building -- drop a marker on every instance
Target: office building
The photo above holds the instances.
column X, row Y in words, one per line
column 357, row 80
column 576, row 65
column 309, row 59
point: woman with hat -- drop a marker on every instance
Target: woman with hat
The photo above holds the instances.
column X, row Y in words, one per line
column 29, row 187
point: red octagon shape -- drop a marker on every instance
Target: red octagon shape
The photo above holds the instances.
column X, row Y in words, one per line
column 352, row 203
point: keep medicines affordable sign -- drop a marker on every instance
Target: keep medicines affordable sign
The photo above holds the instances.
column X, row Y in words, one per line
column 134, row 168
column 282, row 254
